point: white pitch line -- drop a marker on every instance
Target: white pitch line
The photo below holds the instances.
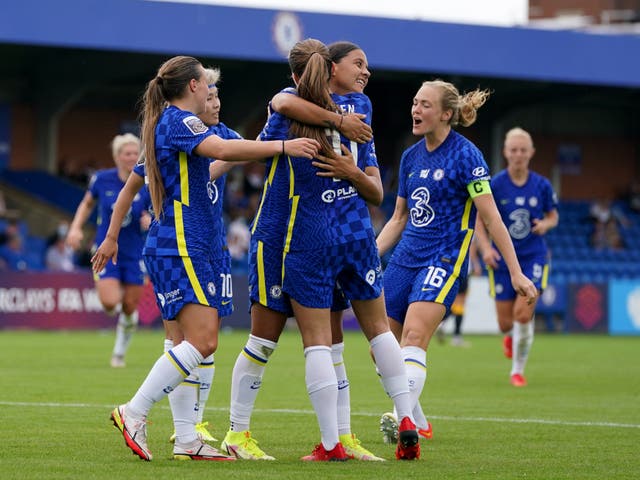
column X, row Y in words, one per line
column 360, row 414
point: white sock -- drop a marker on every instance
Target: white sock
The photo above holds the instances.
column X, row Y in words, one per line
column 522, row 341
column 322, row 388
column 386, row 351
column 415, row 362
column 124, row 331
column 344, row 400
column 206, row 371
column 419, row 418
column 165, row 375
column 168, row 344
column 184, row 408
column 246, row 380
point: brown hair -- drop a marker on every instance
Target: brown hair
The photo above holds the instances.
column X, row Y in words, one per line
column 339, row 50
column 169, row 84
column 309, row 60
column 465, row 107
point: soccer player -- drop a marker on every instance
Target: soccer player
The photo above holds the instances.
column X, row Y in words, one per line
column 270, row 308
column 119, row 286
column 529, row 207
column 443, row 179
column 194, row 391
column 329, row 240
column 183, row 247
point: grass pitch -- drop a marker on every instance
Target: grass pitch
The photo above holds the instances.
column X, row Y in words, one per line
column 579, row 418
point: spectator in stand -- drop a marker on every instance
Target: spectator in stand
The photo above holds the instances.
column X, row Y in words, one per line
column 608, row 219
column 238, row 238
column 12, row 228
column 633, row 197
column 3, row 205
column 13, row 252
column 59, row 256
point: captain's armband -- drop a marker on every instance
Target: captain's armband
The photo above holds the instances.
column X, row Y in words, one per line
column 478, row 187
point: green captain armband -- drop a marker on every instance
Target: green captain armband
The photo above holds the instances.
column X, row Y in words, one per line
column 478, row 187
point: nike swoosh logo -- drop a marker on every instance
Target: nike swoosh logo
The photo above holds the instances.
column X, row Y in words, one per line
column 342, row 387
column 427, row 289
column 253, row 387
column 226, row 302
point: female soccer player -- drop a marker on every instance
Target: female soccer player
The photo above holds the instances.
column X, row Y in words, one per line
column 443, row 179
column 119, row 286
column 195, row 389
column 270, row 308
column 183, row 242
column 529, row 207
column 330, row 239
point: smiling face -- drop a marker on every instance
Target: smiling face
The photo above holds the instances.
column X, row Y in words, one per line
column 426, row 112
column 350, row 73
column 211, row 114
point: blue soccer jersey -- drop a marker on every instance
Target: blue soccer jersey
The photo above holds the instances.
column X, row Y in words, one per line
column 270, row 222
column 329, row 211
column 441, row 212
column 185, row 226
column 520, row 205
column 104, row 187
column 215, row 188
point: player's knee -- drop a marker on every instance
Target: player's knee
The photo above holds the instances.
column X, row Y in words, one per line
column 206, row 345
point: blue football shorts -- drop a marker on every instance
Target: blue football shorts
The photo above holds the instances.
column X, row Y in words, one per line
column 201, row 278
column 536, row 268
column 311, row 276
column 127, row 271
column 435, row 281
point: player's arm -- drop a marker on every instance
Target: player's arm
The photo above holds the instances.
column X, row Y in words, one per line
column 108, row 249
column 351, row 125
column 368, row 182
column 495, row 227
column 549, row 221
column 75, row 234
column 243, row 150
column 218, row 168
column 392, row 230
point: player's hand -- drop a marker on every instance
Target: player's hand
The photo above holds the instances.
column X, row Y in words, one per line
column 336, row 166
column 74, row 238
column 354, row 128
column 491, row 257
column 524, row 287
column 539, row 226
column 145, row 221
column 108, row 250
column 302, row 147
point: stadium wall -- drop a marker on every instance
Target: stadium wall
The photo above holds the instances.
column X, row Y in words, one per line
column 54, row 301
